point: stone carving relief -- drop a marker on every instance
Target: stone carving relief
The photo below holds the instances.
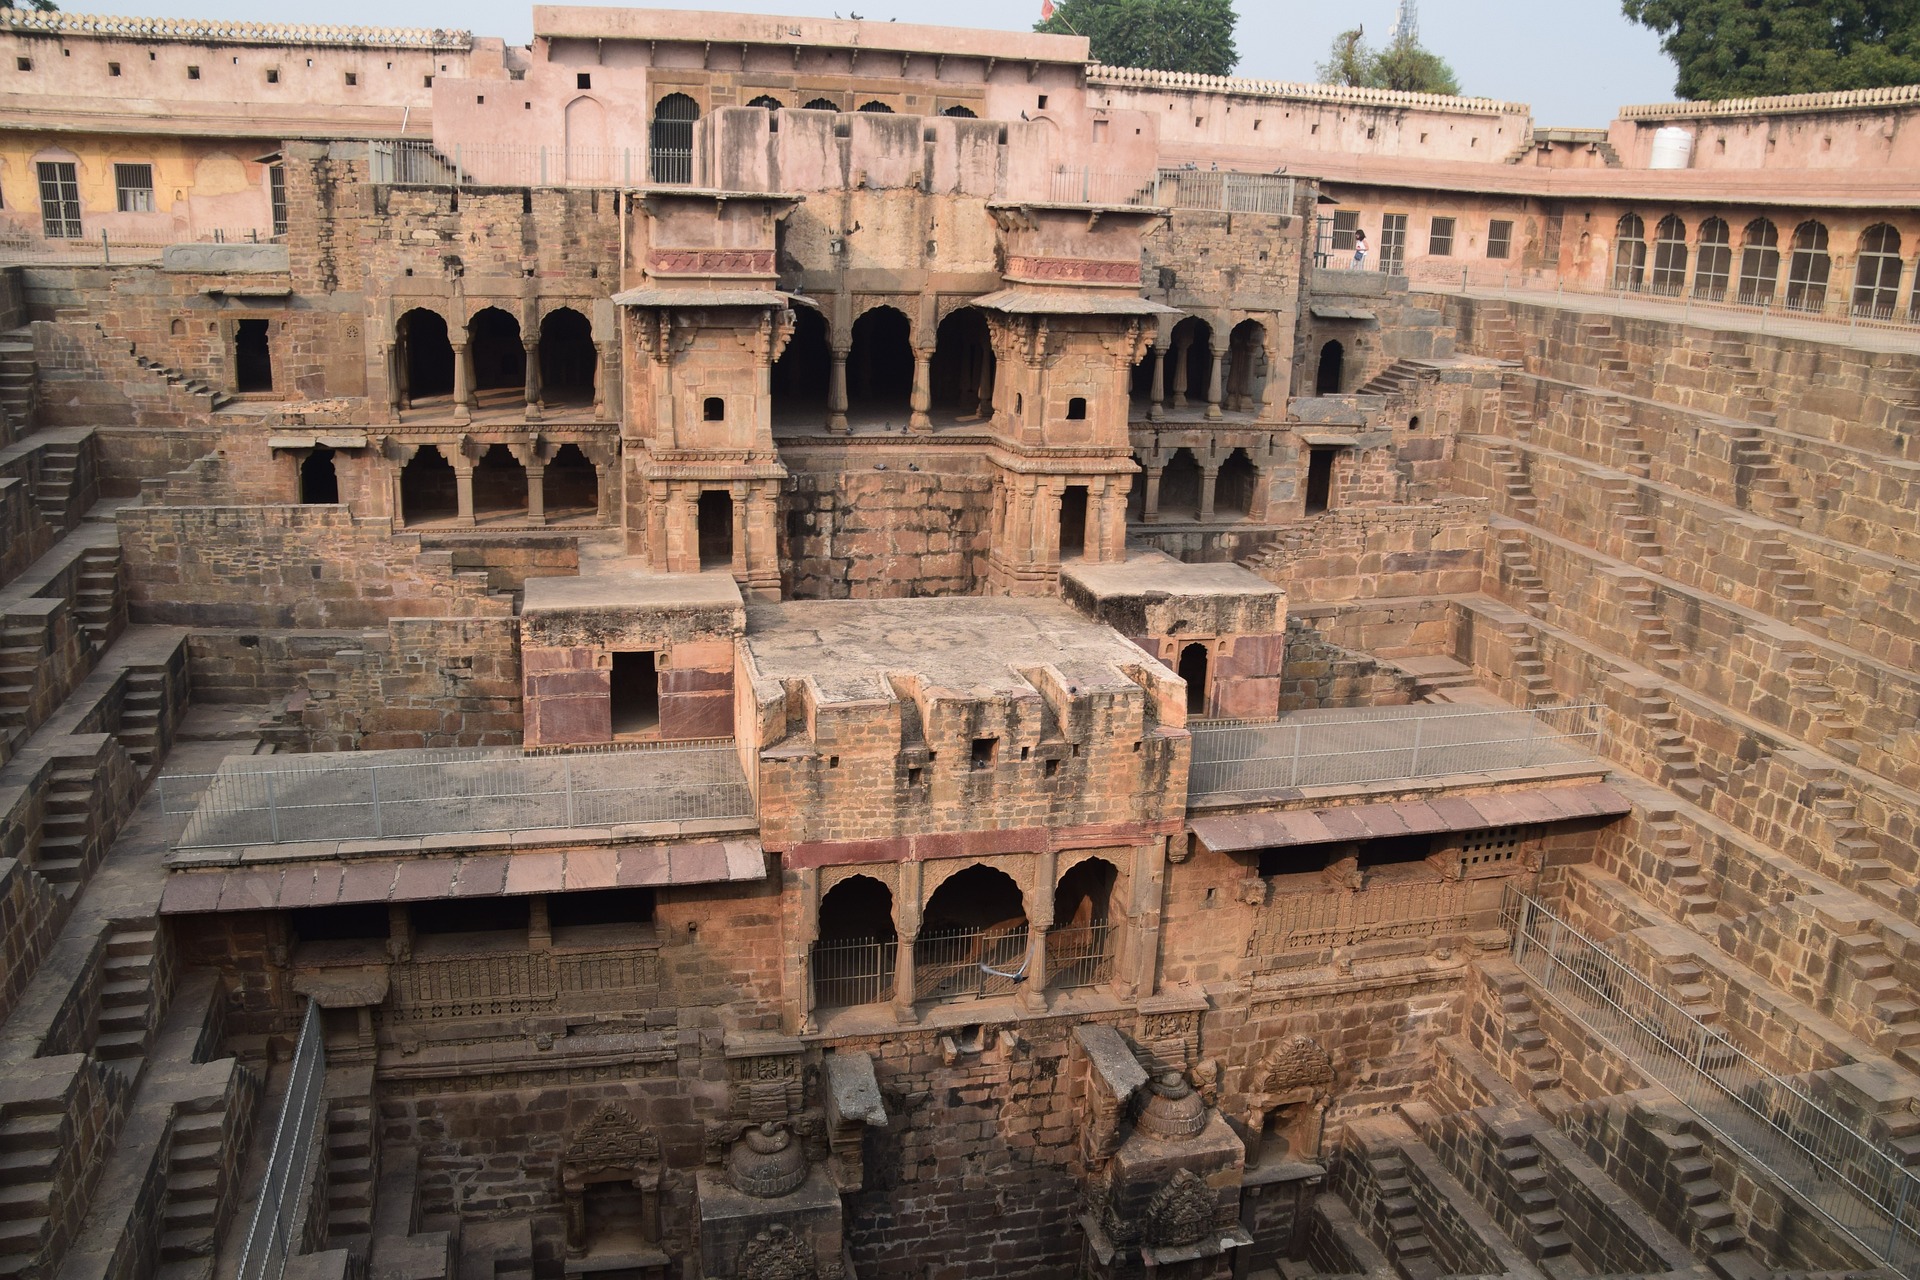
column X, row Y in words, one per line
column 1298, row 1062
column 231, row 258
column 611, row 1139
column 767, row 1162
column 1180, row 1212
column 777, row 1254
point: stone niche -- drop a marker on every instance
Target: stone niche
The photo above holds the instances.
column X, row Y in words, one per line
column 610, row 1190
column 772, row 1214
column 1219, row 626
column 624, row 654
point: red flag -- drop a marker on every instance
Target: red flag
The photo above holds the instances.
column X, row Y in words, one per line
column 1046, row 10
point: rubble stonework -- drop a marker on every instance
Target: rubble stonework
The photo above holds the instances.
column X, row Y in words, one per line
column 806, row 649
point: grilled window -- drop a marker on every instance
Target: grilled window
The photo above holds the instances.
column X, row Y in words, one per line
column 133, row 187
column 59, row 200
column 1499, row 238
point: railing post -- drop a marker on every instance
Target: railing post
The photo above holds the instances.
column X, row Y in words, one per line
column 1413, row 769
column 1893, row 1225
column 454, row 179
column 106, row 250
column 373, row 776
column 1298, row 731
column 567, row 767
column 543, row 165
column 273, row 810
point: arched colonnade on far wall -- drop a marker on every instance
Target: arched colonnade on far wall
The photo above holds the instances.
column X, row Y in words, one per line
column 1218, row 363
column 531, row 359
column 489, row 477
column 912, row 933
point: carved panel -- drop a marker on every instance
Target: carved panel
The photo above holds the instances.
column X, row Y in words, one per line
column 710, row 262
column 1072, row 270
column 1338, row 918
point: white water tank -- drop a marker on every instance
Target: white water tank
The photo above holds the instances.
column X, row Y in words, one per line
column 1672, row 148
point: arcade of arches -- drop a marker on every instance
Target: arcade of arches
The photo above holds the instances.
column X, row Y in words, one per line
column 467, row 483
column 495, row 365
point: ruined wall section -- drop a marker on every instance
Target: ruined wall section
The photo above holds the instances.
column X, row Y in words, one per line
column 852, row 531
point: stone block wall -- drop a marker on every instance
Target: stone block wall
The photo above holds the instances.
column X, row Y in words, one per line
column 24, row 533
column 858, row 534
column 30, row 915
column 1320, row 673
column 306, row 567
column 1364, row 553
column 233, row 666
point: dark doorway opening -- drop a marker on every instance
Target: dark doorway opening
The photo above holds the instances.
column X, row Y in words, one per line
column 853, row 962
column 499, row 483
column 252, row 356
column 1073, row 522
column 1233, row 489
column 1180, row 485
column 428, row 487
column 1332, row 357
column 801, row 374
column 571, row 485
column 634, row 688
column 962, row 370
column 319, row 482
column 1395, row 850
column 880, row 366
column 1193, row 669
column 499, row 360
column 567, row 358
column 716, row 529
column 428, row 354
column 1319, row 480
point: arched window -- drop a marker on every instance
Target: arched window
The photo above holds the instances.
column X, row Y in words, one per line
column 319, row 482
column 1247, row 366
column 670, row 143
column 961, row 376
column 1326, row 380
column 1234, row 489
column 1630, row 253
column 1079, row 943
column 1759, row 263
column 1670, row 256
column 1193, row 669
column 973, row 937
column 423, row 356
column 567, row 357
column 570, row 486
column 1190, row 366
column 1876, row 272
column 499, row 485
column 822, row 104
column 1809, row 267
column 766, row 100
column 880, row 364
column 493, row 345
column 1714, row 267
column 960, row 112
column 429, row 490
column 853, row 961
column 876, row 108
column 801, row 374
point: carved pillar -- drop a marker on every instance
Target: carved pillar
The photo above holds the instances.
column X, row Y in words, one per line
column 390, row 360
column 1178, row 390
column 1213, row 384
column 920, row 420
column 1157, row 392
column 837, row 393
column 532, row 346
column 1209, row 482
column 463, row 484
column 907, row 906
column 1150, row 512
column 536, row 469
column 462, row 384
column 1039, row 919
column 600, row 382
column 741, row 495
column 983, row 407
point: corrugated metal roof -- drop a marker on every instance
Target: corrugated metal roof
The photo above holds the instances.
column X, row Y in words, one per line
column 1243, row 831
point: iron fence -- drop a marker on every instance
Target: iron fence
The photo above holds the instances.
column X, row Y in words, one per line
column 1383, row 744
column 108, row 246
column 1089, row 186
column 853, row 971
column 385, row 795
column 1226, row 191
column 1080, row 956
column 1850, row 1181
column 269, row 1239
column 949, row 964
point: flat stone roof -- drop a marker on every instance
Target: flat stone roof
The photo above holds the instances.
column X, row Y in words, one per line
column 627, row 583
column 971, row 645
column 592, row 22
column 1155, row 573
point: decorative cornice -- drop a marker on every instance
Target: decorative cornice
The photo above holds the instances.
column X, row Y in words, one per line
column 1780, row 104
column 1138, row 78
column 209, row 31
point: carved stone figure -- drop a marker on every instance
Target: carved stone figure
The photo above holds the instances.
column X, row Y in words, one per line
column 1180, row 1212
column 767, row 1162
column 777, row 1254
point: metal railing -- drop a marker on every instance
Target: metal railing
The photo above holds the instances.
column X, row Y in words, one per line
column 1850, row 1181
column 1384, row 744
column 1226, row 191
column 1088, row 186
column 386, row 795
column 951, row 963
column 263, row 1255
column 853, row 971
column 1079, row 956
column 107, row 246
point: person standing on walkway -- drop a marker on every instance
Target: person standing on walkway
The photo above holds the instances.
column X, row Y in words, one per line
column 1359, row 249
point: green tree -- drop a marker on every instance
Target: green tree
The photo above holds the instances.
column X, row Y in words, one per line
column 1742, row 48
column 1163, row 35
column 1404, row 65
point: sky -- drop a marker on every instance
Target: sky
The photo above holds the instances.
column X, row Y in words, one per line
column 1574, row 61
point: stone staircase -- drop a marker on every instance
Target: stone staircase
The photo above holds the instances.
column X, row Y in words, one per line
column 1637, row 459
column 99, row 600
column 1399, row 377
column 1679, row 768
column 1615, row 371
column 1622, row 498
column 350, row 1175
column 1677, row 867
column 1518, row 570
column 140, row 717
column 1790, row 584
column 21, row 649
column 213, row 397
column 1518, row 1025
column 195, row 1185
column 67, row 830
column 126, row 1019
column 1510, row 472
column 53, row 488
column 1650, row 626
column 1403, row 1233
column 18, row 384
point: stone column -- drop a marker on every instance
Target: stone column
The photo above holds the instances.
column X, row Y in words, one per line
column 1209, row 482
column 536, row 468
column 1213, row 384
column 395, row 388
column 1033, row 992
column 983, row 408
column 462, row 384
column 920, row 419
column 739, row 566
column 800, row 952
column 1177, row 392
column 532, row 347
column 837, row 393
column 1150, row 512
column 600, row 382
column 463, row 484
column 1157, row 392
column 906, row 905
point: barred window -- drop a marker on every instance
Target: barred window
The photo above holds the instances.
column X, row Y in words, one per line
column 277, row 192
column 1492, row 846
column 133, row 187
column 1345, row 223
column 1440, row 238
column 59, row 200
column 1499, row 238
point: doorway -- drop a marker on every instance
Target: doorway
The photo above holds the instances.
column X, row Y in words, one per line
column 252, row 356
column 1193, row 669
column 716, row 529
column 635, row 693
column 319, row 482
column 1319, row 480
column 1073, row 522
